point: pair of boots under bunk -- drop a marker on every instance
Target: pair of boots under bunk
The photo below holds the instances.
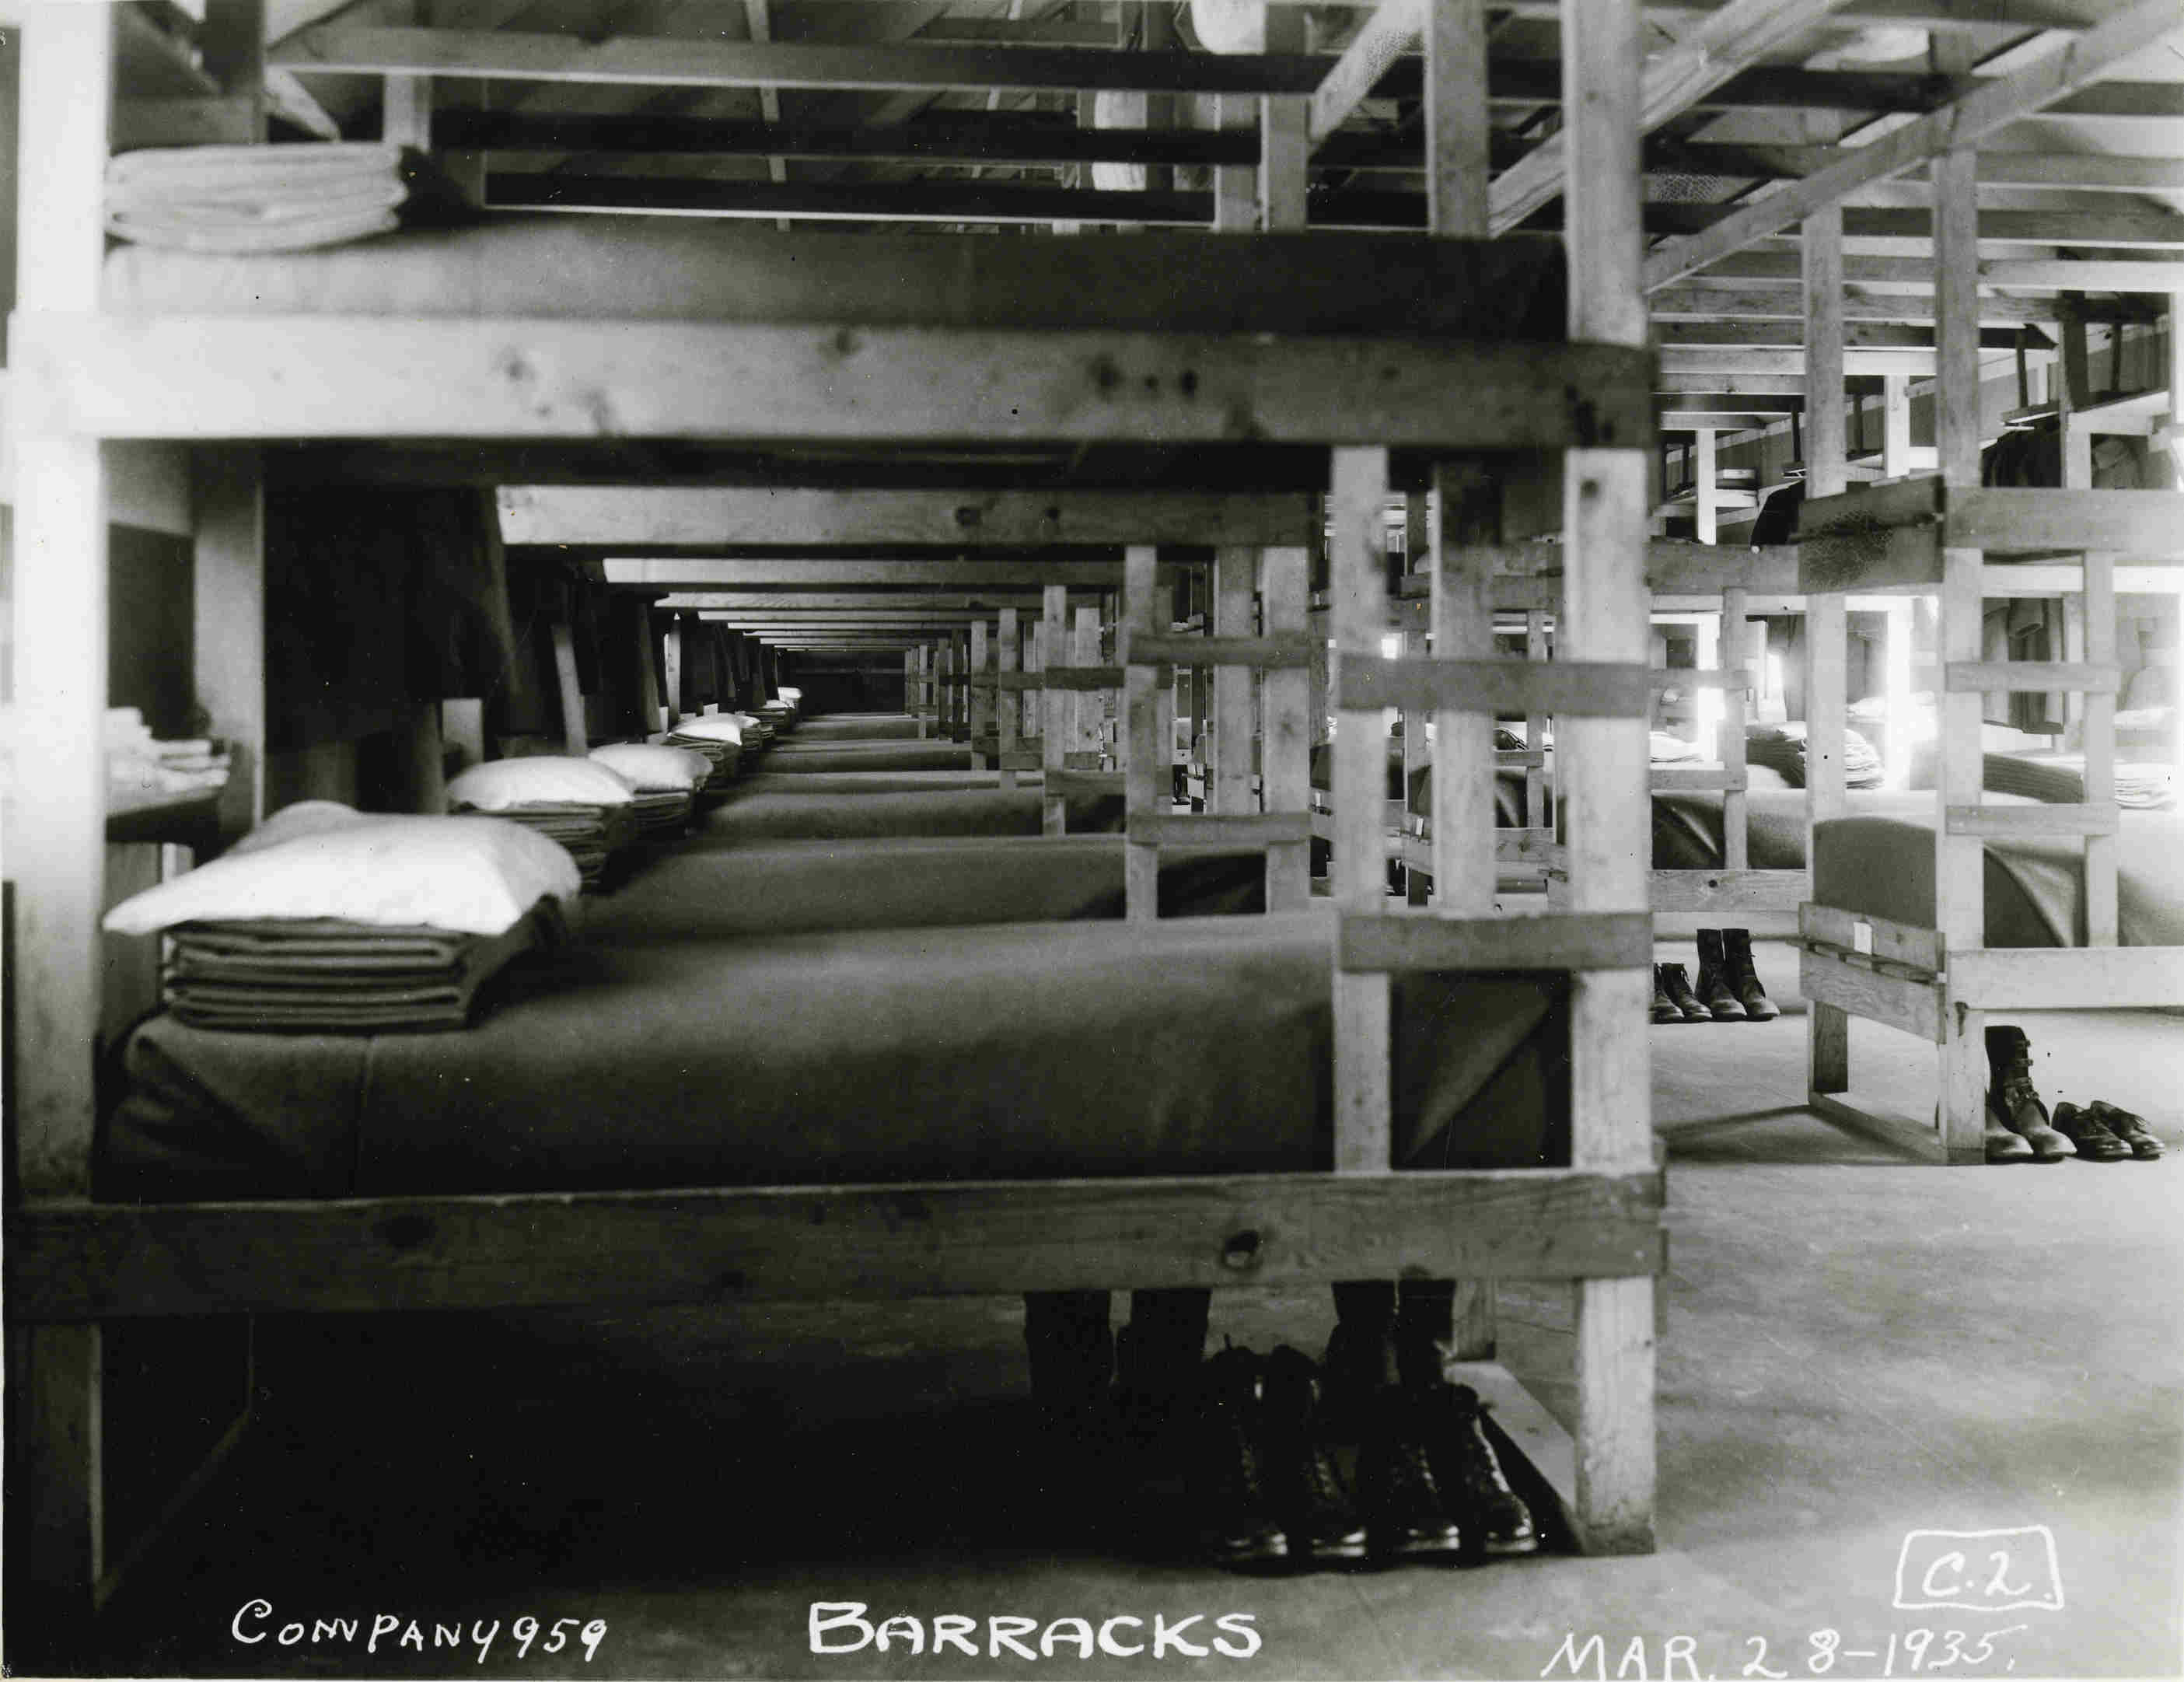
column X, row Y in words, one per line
column 2021, row 1129
column 1728, row 989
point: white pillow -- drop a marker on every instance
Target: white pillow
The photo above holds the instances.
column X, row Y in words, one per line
column 719, row 726
column 789, row 694
column 652, row 769
column 470, row 875
column 552, row 780
column 305, row 817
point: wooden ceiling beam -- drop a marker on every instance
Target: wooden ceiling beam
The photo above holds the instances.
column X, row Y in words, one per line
column 1856, row 335
column 2077, row 172
column 1760, row 302
column 1994, row 105
column 738, row 573
column 653, row 518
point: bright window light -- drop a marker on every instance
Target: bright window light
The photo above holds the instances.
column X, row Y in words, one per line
column 1391, row 646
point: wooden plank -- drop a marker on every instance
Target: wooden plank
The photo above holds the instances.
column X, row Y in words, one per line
column 712, row 519
column 1149, row 744
column 832, row 572
column 229, row 611
column 1720, row 891
column 1363, row 1096
column 1218, row 831
column 951, row 1238
column 1405, row 943
column 1739, row 35
column 572, row 697
column 2137, row 523
column 513, row 379
column 1684, row 777
column 2093, row 819
column 1089, row 712
column 1665, row 678
column 1919, row 1140
column 1243, row 653
column 1897, row 942
column 1008, row 714
column 1735, row 648
column 1464, row 853
column 1458, row 136
column 1387, row 33
column 1081, row 679
column 2101, row 887
column 980, row 710
column 1082, row 784
column 1234, row 574
column 1285, row 137
column 1962, row 125
column 2071, row 978
column 1983, row 677
column 1285, row 730
column 1897, row 1001
column 1568, row 688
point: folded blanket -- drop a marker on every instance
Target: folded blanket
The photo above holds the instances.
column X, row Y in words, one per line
column 655, row 813
column 324, row 976
column 724, row 757
column 591, row 834
column 255, row 198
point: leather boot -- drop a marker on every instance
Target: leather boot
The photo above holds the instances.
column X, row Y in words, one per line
column 1664, row 1008
column 2002, row 1145
column 2010, row 1094
column 1406, row 1513
column 2130, row 1129
column 1713, row 986
column 1360, row 1363
column 1743, row 978
column 1153, row 1378
column 1475, row 1490
column 2090, row 1134
column 1676, row 985
column 1303, row 1489
column 1223, row 1477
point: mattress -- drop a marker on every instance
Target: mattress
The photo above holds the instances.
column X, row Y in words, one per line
column 796, row 758
column 839, row 782
column 1021, row 1051
column 717, row 886
column 1882, row 863
column 751, row 814
column 855, row 727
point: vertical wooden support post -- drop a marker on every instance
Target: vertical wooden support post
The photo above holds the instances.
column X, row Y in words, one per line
column 231, row 48
column 1604, row 769
column 1418, row 548
column 1054, row 724
column 1895, row 426
column 1145, row 757
column 673, row 662
column 1959, row 866
column 1089, row 710
column 229, row 586
column 647, row 679
column 2100, row 749
column 1735, row 647
column 1008, row 707
column 1234, row 574
column 1363, row 1096
column 1285, row 738
column 1236, row 185
column 56, row 844
column 1707, row 506
column 960, row 725
column 574, row 739
column 2176, row 428
column 981, row 699
column 1535, row 727
column 1827, row 702
column 1285, row 134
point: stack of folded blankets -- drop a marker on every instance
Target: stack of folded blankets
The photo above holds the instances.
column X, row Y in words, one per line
column 1781, row 748
column 326, row 921
column 255, row 198
column 758, row 729
column 719, row 738
column 666, row 781
column 584, row 806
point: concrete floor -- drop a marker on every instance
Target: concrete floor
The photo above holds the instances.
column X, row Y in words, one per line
column 1855, row 1349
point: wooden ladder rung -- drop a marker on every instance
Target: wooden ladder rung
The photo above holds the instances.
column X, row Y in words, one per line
column 1572, row 688
column 1987, row 678
column 1247, row 829
column 1594, row 940
column 2098, row 817
column 1276, row 651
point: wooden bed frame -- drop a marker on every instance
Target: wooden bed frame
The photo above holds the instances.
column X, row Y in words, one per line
column 85, row 382
column 1946, row 536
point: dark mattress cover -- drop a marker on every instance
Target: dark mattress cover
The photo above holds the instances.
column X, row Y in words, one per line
column 718, row 886
column 776, row 813
column 1019, row 1051
column 1882, row 862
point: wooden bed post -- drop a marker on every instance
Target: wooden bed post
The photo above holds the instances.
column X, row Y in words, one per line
column 647, row 679
column 960, row 721
column 1285, row 737
column 981, row 715
column 1055, row 706
column 1147, row 745
column 574, row 738
column 1233, row 571
column 1827, row 1026
column 56, row 844
column 1090, row 712
column 1604, row 763
column 229, row 586
column 1008, row 705
column 1418, row 544
column 2100, row 650
column 1732, row 650
column 1960, row 860
column 1364, row 1096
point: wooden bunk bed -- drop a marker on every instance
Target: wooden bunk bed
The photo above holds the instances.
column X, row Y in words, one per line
column 223, row 377
column 1929, row 964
